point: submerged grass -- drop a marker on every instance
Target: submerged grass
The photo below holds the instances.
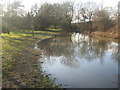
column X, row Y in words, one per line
column 19, row 60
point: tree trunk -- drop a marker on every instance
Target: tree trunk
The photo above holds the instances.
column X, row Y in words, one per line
column 33, row 33
column 55, row 26
column 70, row 26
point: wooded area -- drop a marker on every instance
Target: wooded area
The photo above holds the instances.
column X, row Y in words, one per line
column 70, row 16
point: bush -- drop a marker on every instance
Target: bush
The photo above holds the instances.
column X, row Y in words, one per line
column 84, row 27
column 6, row 27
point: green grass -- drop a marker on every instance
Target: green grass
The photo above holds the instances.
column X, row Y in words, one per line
column 47, row 32
column 15, row 45
column 15, row 41
column 59, row 29
column 10, row 44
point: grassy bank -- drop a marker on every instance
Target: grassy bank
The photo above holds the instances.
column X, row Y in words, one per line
column 111, row 33
column 20, row 60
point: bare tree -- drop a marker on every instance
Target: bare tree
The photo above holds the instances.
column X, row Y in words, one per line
column 78, row 12
column 101, row 19
column 67, row 13
column 44, row 16
column 33, row 13
column 90, row 8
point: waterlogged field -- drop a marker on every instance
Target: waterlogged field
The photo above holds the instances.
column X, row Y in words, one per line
column 72, row 61
column 80, row 61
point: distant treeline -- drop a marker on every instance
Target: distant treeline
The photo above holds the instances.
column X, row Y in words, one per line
column 70, row 16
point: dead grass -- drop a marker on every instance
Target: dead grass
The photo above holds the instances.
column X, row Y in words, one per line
column 112, row 33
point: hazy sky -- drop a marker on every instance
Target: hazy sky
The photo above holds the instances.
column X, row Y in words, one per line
column 29, row 3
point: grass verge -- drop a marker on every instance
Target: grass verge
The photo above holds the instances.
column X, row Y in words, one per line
column 20, row 61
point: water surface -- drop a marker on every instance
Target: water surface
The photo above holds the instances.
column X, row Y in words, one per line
column 80, row 61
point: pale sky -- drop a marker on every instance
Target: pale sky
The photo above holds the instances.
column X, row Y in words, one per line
column 29, row 3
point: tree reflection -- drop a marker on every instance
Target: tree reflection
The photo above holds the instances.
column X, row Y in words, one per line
column 76, row 47
column 116, row 53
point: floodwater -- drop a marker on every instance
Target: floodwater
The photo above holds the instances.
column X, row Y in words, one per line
column 80, row 61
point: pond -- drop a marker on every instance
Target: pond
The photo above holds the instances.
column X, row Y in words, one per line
column 80, row 61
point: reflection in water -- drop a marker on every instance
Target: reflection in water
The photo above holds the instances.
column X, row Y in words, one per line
column 88, row 59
